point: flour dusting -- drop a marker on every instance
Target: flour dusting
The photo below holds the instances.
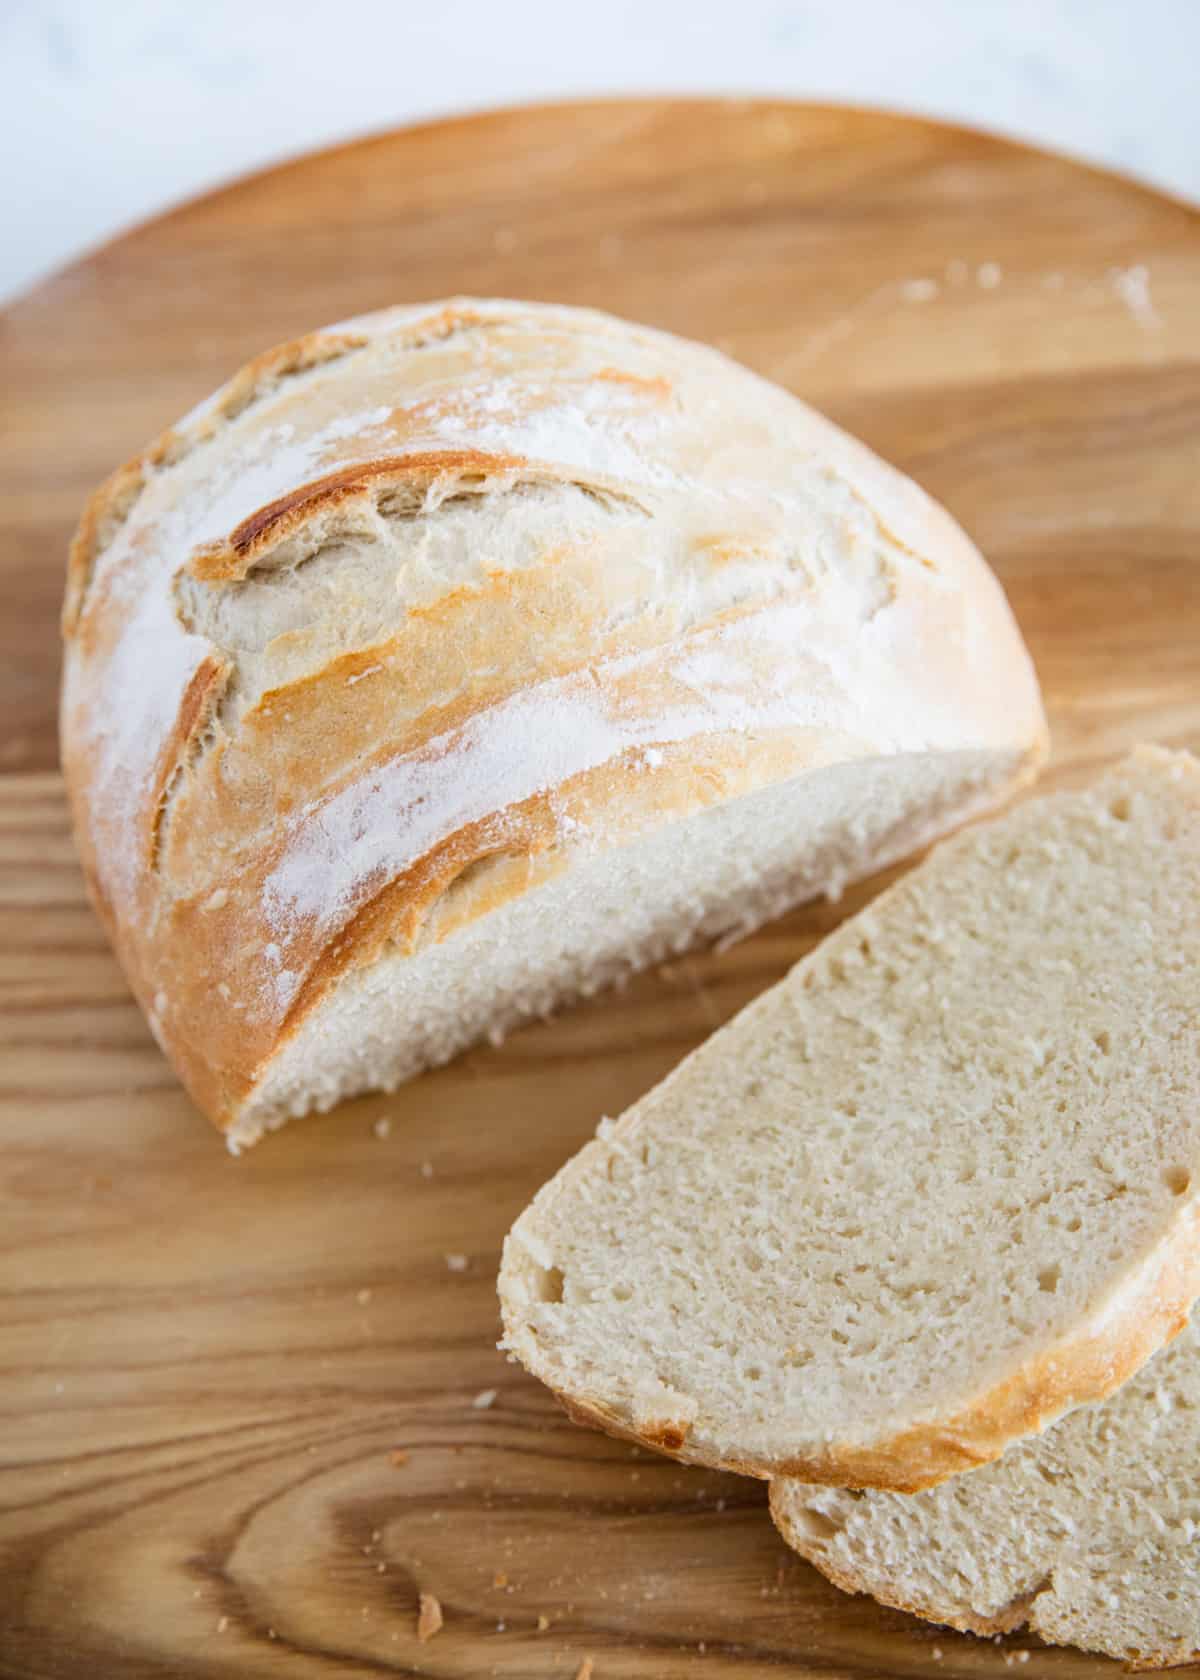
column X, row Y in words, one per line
column 1132, row 286
column 756, row 675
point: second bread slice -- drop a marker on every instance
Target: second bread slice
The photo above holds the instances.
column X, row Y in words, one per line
column 934, row 1189
column 1087, row 1536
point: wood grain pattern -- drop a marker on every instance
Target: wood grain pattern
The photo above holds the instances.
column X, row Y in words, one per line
column 206, row 1365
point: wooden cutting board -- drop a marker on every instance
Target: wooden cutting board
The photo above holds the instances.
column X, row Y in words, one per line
column 211, row 1368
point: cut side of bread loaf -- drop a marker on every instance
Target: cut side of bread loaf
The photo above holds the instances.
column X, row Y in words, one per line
column 933, row 1190
column 1088, row 1535
column 715, row 875
column 451, row 661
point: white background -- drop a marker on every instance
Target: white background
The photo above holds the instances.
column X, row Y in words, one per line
column 113, row 109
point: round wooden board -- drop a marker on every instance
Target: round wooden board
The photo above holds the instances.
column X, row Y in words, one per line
column 209, row 1365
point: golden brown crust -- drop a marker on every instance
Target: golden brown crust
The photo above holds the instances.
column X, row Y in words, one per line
column 659, row 389
column 189, row 791
column 482, row 646
column 111, row 503
column 234, row 556
column 221, row 1065
column 199, row 701
column 104, row 512
column 266, row 371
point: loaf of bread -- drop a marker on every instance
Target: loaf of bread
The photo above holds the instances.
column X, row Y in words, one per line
column 933, row 1190
column 450, row 662
column 1088, row 1535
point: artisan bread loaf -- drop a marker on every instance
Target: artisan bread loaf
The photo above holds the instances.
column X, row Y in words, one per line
column 452, row 661
column 934, row 1189
column 1089, row 1535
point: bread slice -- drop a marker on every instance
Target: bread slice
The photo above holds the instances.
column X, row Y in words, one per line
column 932, row 1190
column 1088, row 1535
column 453, row 661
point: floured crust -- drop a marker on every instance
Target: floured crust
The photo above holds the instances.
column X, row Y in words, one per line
column 733, row 593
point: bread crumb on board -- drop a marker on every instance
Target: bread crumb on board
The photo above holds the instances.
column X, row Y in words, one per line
column 485, row 1399
column 429, row 1617
column 457, row 1262
column 382, row 1127
column 584, row 1671
column 398, row 1458
column 543, row 1624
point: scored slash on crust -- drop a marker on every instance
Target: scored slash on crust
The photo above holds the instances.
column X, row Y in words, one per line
column 600, row 494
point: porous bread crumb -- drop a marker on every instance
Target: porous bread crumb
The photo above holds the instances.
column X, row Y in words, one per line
column 429, row 1617
column 899, row 1100
column 1102, row 1498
